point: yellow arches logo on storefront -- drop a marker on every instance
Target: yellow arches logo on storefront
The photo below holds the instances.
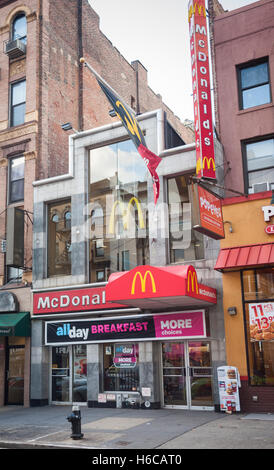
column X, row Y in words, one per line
column 125, row 211
column 143, row 280
column 192, row 281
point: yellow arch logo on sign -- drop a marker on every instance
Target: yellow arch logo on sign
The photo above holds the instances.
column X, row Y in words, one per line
column 197, row 7
column 126, row 214
column 192, row 282
column 143, row 280
column 207, row 161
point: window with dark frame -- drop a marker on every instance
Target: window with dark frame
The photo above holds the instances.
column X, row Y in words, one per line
column 254, row 84
column 259, row 165
column 16, row 179
column 17, row 103
column 59, row 238
column 19, row 28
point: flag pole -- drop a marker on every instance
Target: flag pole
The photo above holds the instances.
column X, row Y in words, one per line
column 86, row 64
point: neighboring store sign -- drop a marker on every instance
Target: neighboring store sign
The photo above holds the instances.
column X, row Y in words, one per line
column 207, row 212
column 137, row 328
column 74, row 300
column 203, row 123
column 268, row 213
column 261, row 321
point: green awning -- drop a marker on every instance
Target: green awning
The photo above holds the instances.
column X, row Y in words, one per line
column 15, row 324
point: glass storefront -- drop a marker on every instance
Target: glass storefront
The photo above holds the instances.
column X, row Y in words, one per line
column 121, row 367
column 258, row 291
column 117, row 210
column 69, row 373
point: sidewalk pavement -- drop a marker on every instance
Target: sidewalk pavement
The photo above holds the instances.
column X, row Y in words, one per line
column 48, row 428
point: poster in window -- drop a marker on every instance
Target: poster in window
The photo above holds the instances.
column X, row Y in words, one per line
column 261, row 321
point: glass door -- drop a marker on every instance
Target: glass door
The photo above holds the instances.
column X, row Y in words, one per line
column 200, row 374
column 174, row 374
column 60, row 374
column 187, row 375
column 15, row 375
column 69, row 374
column 79, row 365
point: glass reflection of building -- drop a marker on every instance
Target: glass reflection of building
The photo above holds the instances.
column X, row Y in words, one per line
column 118, row 222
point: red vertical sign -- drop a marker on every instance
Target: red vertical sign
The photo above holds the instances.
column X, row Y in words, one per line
column 205, row 158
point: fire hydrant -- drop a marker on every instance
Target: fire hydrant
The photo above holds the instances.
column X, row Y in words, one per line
column 75, row 420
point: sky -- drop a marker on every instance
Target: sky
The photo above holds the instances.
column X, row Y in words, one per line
column 155, row 32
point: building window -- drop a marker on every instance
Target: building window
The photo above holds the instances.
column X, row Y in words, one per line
column 118, row 198
column 16, row 179
column 185, row 244
column 19, row 28
column 258, row 290
column 121, row 367
column 254, row 86
column 259, row 163
column 59, row 239
column 18, row 103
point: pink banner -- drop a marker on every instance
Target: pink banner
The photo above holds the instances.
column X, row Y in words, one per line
column 180, row 325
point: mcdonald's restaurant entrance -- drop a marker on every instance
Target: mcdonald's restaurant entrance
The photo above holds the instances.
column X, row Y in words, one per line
column 107, row 346
column 187, row 375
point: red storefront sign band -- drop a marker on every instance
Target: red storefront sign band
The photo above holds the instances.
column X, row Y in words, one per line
column 169, row 286
column 205, row 157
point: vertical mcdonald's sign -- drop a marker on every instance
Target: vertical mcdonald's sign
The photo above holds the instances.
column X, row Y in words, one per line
column 198, row 31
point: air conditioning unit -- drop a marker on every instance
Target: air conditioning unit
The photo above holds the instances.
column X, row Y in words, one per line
column 260, row 187
column 14, row 48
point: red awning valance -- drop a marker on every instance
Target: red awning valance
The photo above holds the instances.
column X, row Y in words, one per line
column 159, row 287
column 233, row 259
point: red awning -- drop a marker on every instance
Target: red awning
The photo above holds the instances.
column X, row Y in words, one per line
column 233, row 259
column 159, row 287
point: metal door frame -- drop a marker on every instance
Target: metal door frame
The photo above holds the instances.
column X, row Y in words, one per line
column 70, row 401
column 188, row 376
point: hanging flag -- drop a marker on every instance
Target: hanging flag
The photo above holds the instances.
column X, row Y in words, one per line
column 129, row 121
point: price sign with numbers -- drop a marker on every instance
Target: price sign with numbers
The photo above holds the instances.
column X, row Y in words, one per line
column 261, row 321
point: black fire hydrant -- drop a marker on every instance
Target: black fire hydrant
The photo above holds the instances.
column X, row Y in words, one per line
column 75, row 420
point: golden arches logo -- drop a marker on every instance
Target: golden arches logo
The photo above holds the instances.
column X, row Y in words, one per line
column 197, row 7
column 126, row 214
column 207, row 162
column 192, row 281
column 143, row 280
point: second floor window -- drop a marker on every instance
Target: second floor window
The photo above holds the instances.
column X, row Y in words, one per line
column 59, row 239
column 259, row 165
column 18, row 103
column 254, row 84
column 16, row 179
